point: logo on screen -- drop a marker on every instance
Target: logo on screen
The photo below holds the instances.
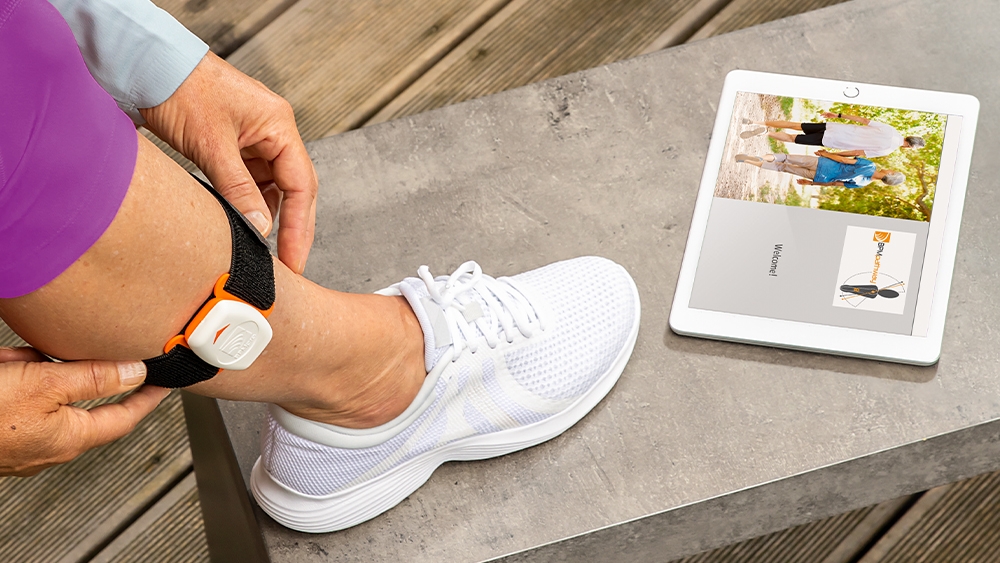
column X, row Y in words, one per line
column 873, row 272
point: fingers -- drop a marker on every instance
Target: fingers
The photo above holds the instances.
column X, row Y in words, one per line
column 295, row 176
column 107, row 423
column 296, row 229
column 259, row 168
column 80, row 381
column 272, row 197
column 22, row 354
column 281, row 161
column 40, row 426
column 229, row 175
column 219, row 118
column 261, row 172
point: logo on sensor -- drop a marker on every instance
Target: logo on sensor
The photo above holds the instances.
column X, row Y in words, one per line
column 239, row 340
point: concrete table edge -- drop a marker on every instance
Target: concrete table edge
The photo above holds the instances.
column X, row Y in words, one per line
column 790, row 501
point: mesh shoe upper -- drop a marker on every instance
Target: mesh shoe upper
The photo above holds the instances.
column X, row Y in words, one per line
column 587, row 309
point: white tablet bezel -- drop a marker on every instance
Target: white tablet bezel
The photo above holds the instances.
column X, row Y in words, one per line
column 920, row 350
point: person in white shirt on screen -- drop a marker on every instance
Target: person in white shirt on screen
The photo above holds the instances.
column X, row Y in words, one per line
column 868, row 139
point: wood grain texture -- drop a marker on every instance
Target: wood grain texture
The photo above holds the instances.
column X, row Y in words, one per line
column 339, row 62
column 172, row 529
column 225, row 24
column 959, row 522
column 745, row 13
column 69, row 512
column 8, row 338
column 529, row 41
column 838, row 539
column 808, row 543
column 687, row 25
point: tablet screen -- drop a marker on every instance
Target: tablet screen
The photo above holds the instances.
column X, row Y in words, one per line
column 824, row 212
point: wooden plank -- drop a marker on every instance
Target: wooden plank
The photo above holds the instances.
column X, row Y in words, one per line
column 69, row 512
column 831, row 540
column 152, row 486
column 906, row 523
column 339, row 62
column 806, row 543
column 225, row 24
column 745, row 13
column 870, row 529
column 529, row 41
column 686, row 26
column 8, row 338
column 172, row 529
column 957, row 522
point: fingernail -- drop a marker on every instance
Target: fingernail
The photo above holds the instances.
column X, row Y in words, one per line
column 259, row 221
column 131, row 373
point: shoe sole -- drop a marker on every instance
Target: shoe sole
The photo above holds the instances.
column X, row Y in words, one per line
column 364, row 501
column 747, row 158
column 753, row 132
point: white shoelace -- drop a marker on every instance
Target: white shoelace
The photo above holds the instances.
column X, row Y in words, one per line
column 509, row 308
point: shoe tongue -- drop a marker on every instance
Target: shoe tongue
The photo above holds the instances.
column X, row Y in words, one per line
column 430, row 315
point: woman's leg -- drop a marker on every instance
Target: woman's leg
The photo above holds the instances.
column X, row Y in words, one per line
column 345, row 359
column 781, row 136
column 800, row 165
column 780, row 124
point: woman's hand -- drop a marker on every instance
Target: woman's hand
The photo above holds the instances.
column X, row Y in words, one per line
column 244, row 137
column 39, row 427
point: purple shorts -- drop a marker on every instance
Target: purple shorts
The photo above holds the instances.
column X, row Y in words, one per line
column 67, row 152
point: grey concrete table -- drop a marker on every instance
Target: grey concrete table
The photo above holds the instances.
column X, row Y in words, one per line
column 701, row 443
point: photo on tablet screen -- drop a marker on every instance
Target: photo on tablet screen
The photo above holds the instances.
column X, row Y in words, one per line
column 822, row 210
column 832, row 155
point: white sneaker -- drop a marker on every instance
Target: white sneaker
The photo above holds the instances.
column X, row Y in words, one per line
column 512, row 362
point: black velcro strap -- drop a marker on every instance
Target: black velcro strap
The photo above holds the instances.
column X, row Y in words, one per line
column 251, row 272
column 178, row 368
column 251, row 278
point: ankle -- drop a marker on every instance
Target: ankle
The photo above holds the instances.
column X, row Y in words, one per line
column 380, row 373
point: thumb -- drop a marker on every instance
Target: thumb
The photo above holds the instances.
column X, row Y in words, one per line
column 107, row 423
column 78, row 430
column 230, row 177
column 83, row 380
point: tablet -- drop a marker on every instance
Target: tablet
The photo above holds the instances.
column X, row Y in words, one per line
column 828, row 217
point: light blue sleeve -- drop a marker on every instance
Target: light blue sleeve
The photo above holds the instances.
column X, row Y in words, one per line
column 137, row 52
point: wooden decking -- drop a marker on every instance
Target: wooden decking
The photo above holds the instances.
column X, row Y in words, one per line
column 344, row 65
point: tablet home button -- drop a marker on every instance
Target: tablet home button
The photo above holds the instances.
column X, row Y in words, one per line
column 851, row 92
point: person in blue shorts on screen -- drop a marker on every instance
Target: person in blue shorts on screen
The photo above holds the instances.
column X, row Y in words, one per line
column 826, row 169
